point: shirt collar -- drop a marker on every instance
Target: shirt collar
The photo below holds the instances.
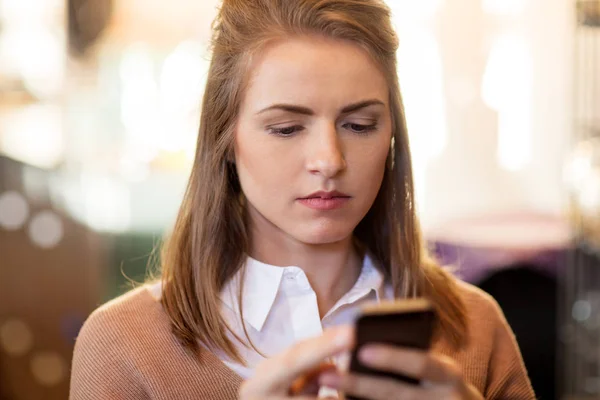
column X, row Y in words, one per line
column 260, row 289
column 369, row 280
column 262, row 283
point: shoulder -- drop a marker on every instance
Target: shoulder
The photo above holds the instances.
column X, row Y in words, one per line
column 484, row 320
column 481, row 308
column 492, row 361
column 109, row 351
column 490, row 337
column 127, row 309
column 120, row 322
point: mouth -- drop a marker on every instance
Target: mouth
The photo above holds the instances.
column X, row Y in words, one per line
column 325, row 200
column 326, row 195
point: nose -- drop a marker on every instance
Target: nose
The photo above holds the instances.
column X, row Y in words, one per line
column 325, row 153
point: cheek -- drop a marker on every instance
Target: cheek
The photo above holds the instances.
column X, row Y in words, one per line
column 263, row 171
column 369, row 163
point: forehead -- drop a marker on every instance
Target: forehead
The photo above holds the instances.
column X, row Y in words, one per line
column 314, row 70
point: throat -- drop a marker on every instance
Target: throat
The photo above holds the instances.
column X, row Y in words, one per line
column 335, row 285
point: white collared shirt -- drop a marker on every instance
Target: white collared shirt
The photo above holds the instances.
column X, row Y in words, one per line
column 280, row 308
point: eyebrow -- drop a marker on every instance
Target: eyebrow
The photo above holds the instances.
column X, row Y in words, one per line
column 307, row 111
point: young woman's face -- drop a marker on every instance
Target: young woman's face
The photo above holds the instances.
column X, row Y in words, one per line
column 312, row 139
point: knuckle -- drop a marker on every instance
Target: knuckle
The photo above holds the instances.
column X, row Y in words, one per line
column 455, row 395
column 375, row 388
column 360, row 385
column 453, row 371
column 245, row 391
column 350, row 383
column 430, row 360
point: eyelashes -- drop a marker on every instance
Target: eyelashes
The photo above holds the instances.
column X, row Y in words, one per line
column 290, row 131
column 286, row 131
column 360, row 128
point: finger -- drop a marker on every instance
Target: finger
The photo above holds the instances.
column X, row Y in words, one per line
column 442, row 370
column 373, row 388
column 403, row 361
column 276, row 374
column 412, row 363
column 309, row 383
column 285, row 398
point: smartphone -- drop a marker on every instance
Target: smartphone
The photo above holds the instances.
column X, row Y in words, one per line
column 405, row 323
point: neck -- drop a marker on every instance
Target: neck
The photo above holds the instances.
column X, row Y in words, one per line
column 331, row 268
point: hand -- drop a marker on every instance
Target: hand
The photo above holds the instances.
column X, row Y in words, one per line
column 296, row 372
column 440, row 376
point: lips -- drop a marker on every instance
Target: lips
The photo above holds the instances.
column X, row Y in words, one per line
column 325, row 201
column 326, row 195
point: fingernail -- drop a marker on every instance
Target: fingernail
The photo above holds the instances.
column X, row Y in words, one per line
column 330, row 380
column 368, row 355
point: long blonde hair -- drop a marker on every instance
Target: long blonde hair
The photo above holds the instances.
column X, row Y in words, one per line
column 210, row 240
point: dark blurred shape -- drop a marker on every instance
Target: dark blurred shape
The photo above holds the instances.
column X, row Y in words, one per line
column 580, row 325
column 87, row 21
column 519, row 259
column 588, row 12
column 528, row 297
column 580, row 314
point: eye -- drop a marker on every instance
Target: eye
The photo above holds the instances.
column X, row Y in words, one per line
column 359, row 128
column 285, row 131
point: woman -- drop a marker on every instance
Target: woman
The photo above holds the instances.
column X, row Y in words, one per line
column 299, row 209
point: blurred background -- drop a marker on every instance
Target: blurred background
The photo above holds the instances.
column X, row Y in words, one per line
column 99, row 108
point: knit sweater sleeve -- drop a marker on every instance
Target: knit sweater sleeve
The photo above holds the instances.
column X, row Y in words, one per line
column 507, row 376
column 101, row 368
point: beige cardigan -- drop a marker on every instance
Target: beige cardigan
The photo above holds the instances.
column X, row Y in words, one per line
column 126, row 350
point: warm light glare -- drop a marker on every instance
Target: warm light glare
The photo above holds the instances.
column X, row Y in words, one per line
column 409, row 12
column 579, row 166
column 507, row 88
column 504, row 7
column 421, row 81
column 29, row 13
column 107, row 204
column 181, row 85
column 46, row 230
column 16, row 338
column 97, row 200
column 139, row 94
column 160, row 104
column 48, row 368
column 588, row 196
column 14, row 210
column 420, row 74
column 33, row 135
column 35, row 55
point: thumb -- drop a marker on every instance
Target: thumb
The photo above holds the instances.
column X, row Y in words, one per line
column 309, row 383
column 275, row 375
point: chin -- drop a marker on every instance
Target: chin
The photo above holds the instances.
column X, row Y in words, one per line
column 322, row 235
